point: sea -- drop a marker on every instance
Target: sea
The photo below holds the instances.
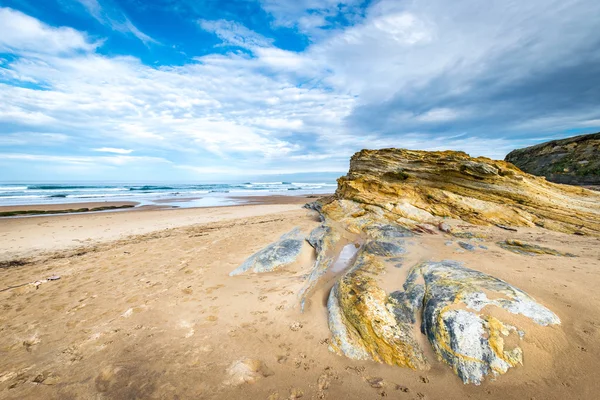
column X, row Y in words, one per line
column 177, row 195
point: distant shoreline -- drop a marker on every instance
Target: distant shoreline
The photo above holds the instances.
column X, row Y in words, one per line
column 30, row 210
column 71, row 196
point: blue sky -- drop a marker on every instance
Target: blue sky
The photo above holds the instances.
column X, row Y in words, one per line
column 193, row 90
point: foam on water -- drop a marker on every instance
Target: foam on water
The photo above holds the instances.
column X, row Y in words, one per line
column 182, row 195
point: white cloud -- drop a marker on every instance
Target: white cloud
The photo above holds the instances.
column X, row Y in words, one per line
column 235, row 34
column 113, row 150
column 312, row 16
column 222, row 106
column 119, row 160
column 21, row 33
column 439, row 115
column 32, row 139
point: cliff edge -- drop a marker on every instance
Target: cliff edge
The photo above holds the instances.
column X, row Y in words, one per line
column 573, row 161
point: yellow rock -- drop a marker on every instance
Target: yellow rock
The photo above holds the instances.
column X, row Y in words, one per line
column 424, row 186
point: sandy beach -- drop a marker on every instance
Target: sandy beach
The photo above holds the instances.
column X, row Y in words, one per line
column 25, row 237
column 290, row 200
column 144, row 308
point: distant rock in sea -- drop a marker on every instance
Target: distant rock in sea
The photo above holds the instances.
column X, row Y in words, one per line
column 573, row 161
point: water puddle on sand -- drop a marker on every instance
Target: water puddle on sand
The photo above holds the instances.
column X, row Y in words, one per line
column 345, row 259
column 346, row 256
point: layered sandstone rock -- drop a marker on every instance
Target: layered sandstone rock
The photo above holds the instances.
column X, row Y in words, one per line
column 418, row 186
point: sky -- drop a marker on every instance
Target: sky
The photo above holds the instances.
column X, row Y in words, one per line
column 207, row 90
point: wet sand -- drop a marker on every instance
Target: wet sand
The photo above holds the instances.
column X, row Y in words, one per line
column 144, row 308
column 67, row 206
column 160, row 203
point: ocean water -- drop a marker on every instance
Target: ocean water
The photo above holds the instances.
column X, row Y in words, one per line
column 181, row 195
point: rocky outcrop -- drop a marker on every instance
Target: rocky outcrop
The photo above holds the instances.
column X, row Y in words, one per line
column 277, row 255
column 474, row 322
column 461, row 314
column 391, row 195
column 413, row 187
column 574, row 161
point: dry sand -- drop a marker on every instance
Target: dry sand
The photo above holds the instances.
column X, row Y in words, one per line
column 24, row 237
column 145, row 309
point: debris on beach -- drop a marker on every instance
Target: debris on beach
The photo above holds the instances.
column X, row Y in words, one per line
column 247, row 370
column 466, row 246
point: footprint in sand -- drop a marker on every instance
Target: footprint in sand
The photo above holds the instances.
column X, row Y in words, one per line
column 324, row 381
column 296, row 393
column 296, row 326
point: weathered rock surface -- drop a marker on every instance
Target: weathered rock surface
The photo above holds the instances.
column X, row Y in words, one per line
column 472, row 321
column 389, row 194
column 574, row 161
column 414, row 187
column 277, row 255
column 364, row 322
column 458, row 313
column 458, row 318
column 516, row 246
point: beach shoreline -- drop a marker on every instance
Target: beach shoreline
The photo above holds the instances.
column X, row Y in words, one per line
column 31, row 210
column 30, row 236
column 75, row 195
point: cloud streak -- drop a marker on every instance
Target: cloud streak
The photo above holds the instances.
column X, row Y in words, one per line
column 113, row 17
column 113, row 150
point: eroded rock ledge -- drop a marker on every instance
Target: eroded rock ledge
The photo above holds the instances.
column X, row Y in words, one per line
column 421, row 186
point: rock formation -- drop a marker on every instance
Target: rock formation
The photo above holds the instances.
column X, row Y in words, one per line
column 527, row 249
column 412, row 187
column 458, row 318
column 277, row 255
column 460, row 310
column 471, row 320
column 574, row 161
